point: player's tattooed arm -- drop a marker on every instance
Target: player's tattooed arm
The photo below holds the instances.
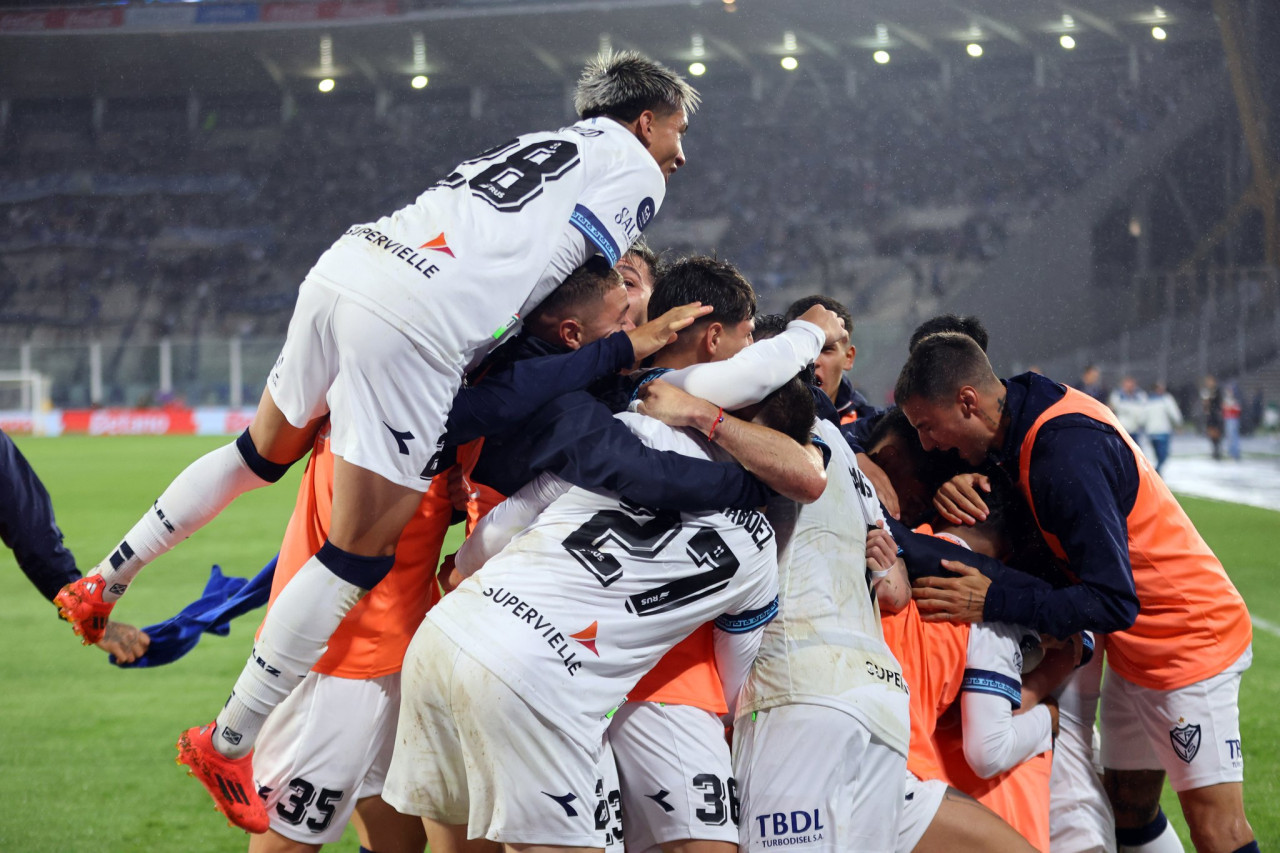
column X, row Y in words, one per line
column 791, row 470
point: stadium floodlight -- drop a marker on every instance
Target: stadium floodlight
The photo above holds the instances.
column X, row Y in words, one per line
column 974, row 49
column 419, row 82
column 1067, row 42
column 728, row 2
column 1159, row 34
column 326, row 85
column 697, row 69
column 881, row 57
column 790, row 63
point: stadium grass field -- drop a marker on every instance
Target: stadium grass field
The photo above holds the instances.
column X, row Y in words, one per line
column 86, row 750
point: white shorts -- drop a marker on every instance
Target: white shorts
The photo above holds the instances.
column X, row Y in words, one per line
column 387, row 397
column 813, row 778
column 470, row 751
column 324, row 748
column 677, row 778
column 1192, row 733
column 920, row 803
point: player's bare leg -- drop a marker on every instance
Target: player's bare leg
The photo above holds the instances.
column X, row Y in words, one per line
column 698, row 846
column 964, row 825
column 452, row 838
column 548, row 848
column 369, row 513
column 1215, row 816
column 1135, row 800
column 384, row 830
column 196, row 496
column 273, row 842
column 1134, row 795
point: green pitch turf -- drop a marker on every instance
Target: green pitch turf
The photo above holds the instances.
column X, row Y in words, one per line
column 86, row 750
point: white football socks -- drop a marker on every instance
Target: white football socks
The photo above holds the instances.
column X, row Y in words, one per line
column 294, row 636
column 193, row 499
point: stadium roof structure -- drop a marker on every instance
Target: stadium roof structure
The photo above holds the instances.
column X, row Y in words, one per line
column 157, row 49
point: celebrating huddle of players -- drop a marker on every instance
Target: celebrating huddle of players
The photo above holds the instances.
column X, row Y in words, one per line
column 678, row 526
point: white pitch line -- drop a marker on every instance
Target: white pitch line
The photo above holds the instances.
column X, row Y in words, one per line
column 1270, row 627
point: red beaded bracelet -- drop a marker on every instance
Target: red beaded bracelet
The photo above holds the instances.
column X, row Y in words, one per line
column 711, row 433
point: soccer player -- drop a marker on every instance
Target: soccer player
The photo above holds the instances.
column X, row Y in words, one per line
column 1145, row 576
column 386, row 323
column 28, row 528
column 682, row 797
column 324, row 751
column 836, row 360
column 509, row 681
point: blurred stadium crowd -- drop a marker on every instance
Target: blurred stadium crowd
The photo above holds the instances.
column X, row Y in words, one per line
column 158, row 223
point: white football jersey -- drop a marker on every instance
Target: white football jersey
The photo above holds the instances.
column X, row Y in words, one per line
column 481, row 248
column 993, row 662
column 592, row 591
column 826, row 646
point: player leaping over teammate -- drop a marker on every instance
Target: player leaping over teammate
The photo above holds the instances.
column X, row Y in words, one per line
column 385, row 325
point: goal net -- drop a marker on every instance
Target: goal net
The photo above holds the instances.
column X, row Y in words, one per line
column 24, row 398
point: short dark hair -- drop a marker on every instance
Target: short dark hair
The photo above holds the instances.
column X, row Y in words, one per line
column 969, row 325
column 641, row 249
column 706, row 280
column 589, row 282
column 940, row 365
column 790, row 410
column 625, row 83
column 769, row 326
column 804, row 303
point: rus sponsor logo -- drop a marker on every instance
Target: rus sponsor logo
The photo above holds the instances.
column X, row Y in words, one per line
column 545, row 628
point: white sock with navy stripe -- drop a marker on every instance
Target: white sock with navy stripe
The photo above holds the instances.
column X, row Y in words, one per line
column 193, row 499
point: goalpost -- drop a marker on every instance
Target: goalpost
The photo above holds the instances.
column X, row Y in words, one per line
column 24, row 398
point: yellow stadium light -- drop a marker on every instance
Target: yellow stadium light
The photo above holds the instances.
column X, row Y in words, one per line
column 1067, row 42
column 326, row 85
column 1159, row 34
column 974, row 50
column 790, row 63
column 419, row 82
column 881, row 57
column 697, row 69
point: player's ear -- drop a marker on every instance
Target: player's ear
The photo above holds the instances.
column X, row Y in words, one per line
column 711, row 337
column 967, row 397
column 571, row 332
column 644, row 127
column 848, row 359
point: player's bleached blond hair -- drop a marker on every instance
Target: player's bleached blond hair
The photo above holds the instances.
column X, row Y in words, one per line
column 623, row 84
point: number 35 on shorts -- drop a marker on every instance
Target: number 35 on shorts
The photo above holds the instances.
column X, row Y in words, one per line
column 304, row 803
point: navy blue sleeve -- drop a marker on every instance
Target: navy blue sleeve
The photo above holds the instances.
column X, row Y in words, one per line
column 858, row 433
column 511, row 395
column 1084, row 481
column 579, row 439
column 924, row 554
column 27, row 525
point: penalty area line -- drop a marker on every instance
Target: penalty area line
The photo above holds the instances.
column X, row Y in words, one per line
column 1265, row 624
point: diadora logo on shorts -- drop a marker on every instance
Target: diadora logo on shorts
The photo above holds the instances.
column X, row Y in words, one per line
column 1185, row 739
column 545, row 628
column 438, row 244
column 401, row 250
column 782, row 829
